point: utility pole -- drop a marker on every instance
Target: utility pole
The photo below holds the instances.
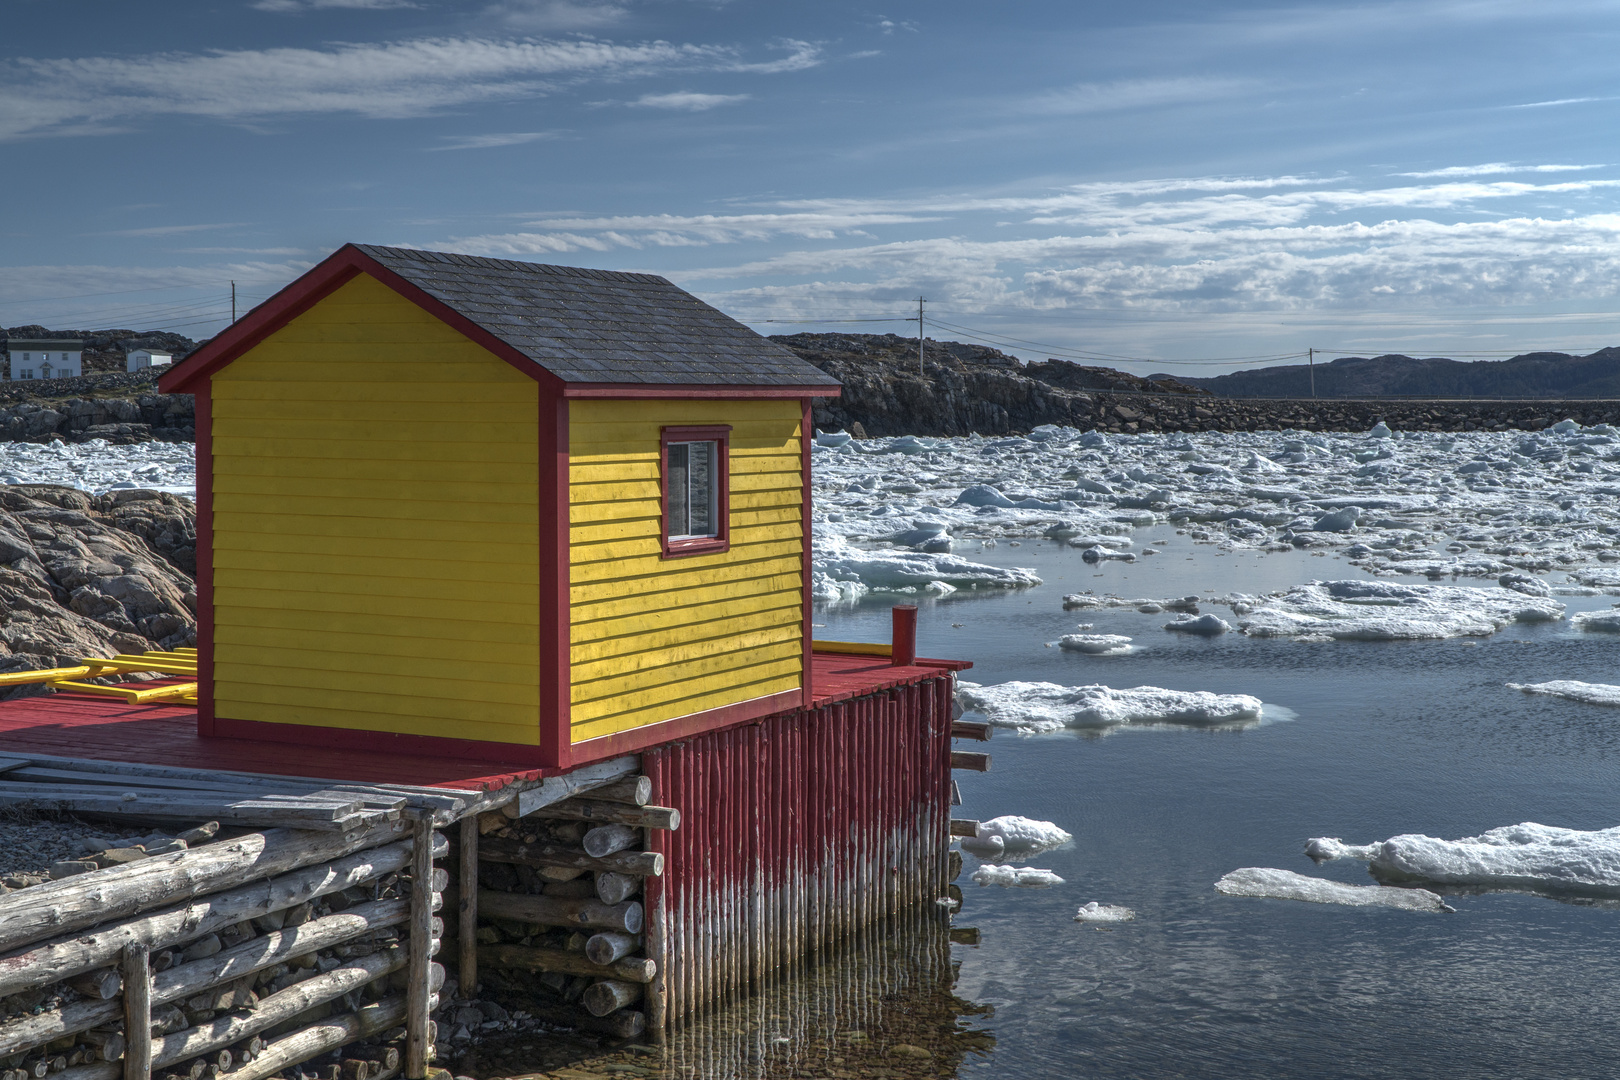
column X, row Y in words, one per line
column 920, row 302
column 1310, row 362
column 233, row 301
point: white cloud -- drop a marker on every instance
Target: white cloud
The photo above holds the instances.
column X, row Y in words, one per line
column 389, row 80
column 1497, row 168
column 1559, row 101
column 485, row 142
column 171, row 230
column 687, row 101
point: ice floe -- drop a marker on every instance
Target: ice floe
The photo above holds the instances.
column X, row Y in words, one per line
column 1585, row 692
column 1357, row 610
column 1207, row 625
column 1471, row 504
column 1035, row 707
column 1016, row 877
column 843, row 573
column 1607, row 622
column 98, row 466
column 1095, row 644
column 1103, row 913
column 1286, row 885
column 1528, row 857
column 1022, row 835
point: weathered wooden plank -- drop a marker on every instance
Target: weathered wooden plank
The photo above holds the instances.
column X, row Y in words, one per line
column 554, row 789
column 557, row 911
column 418, row 1011
column 165, row 928
column 642, row 863
column 57, row 907
column 137, row 971
column 637, row 969
column 614, row 813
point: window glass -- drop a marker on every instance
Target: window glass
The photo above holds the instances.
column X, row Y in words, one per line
column 692, row 489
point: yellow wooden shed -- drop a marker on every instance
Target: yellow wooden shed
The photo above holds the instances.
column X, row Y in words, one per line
column 493, row 509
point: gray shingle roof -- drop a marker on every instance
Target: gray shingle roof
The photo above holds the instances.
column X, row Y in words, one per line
column 601, row 326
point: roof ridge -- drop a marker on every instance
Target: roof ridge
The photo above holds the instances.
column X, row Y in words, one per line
column 489, row 261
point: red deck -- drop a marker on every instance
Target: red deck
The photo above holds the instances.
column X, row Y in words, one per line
column 102, row 728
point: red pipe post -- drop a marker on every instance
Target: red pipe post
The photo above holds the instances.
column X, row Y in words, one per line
column 904, row 649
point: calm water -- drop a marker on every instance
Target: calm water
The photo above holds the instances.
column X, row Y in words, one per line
column 1386, row 738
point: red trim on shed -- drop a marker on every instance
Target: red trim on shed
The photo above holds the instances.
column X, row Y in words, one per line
column 203, row 409
column 556, row 643
column 806, row 433
column 695, row 390
column 696, row 545
column 303, row 294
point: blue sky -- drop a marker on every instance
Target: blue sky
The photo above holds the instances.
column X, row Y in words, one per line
column 1170, row 181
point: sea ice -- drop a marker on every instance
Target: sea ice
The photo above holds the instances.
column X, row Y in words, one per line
column 1208, row 625
column 1287, row 885
column 1022, row 835
column 1096, row 644
column 1386, row 611
column 1103, row 913
column 97, row 466
column 1035, row 707
column 1607, row 622
column 840, row 572
column 1588, row 693
column 1537, row 858
column 1018, row 877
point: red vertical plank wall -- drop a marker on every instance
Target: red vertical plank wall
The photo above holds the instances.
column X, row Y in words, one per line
column 796, row 831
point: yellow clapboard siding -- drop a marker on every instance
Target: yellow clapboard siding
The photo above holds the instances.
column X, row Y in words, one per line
column 656, row 638
column 516, row 717
column 433, row 592
column 689, row 595
column 630, row 672
column 376, row 491
column 592, row 513
column 369, row 467
column 411, row 635
column 480, row 491
column 745, row 548
column 472, row 450
column 473, row 550
column 636, row 528
column 590, row 723
column 381, row 528
column 405, row 676
column 450, row 648
column 449, row 508
column 662, row 646
column 354, row 718
column 267, row 562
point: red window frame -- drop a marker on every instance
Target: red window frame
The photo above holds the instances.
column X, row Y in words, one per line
column 720, row 435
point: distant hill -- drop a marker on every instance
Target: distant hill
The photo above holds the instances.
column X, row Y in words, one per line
column 1532, row 375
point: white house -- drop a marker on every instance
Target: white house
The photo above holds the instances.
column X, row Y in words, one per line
column 137, row 359
column 44, row 358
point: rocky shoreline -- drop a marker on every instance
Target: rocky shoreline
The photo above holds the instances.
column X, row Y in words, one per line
column 886, row 397
column 93, row 575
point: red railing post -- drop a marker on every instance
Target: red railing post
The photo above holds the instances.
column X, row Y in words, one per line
column 904, row 648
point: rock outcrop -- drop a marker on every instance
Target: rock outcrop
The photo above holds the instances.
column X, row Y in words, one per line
column 91, row 575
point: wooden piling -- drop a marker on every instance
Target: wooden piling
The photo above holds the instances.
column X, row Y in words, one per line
column 467, row 926
column 418, row 1010
column 137, row 972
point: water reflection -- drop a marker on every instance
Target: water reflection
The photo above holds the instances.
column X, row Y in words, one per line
column 882, row 1005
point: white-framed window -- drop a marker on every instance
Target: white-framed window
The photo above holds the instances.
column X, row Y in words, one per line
column 696, row 490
